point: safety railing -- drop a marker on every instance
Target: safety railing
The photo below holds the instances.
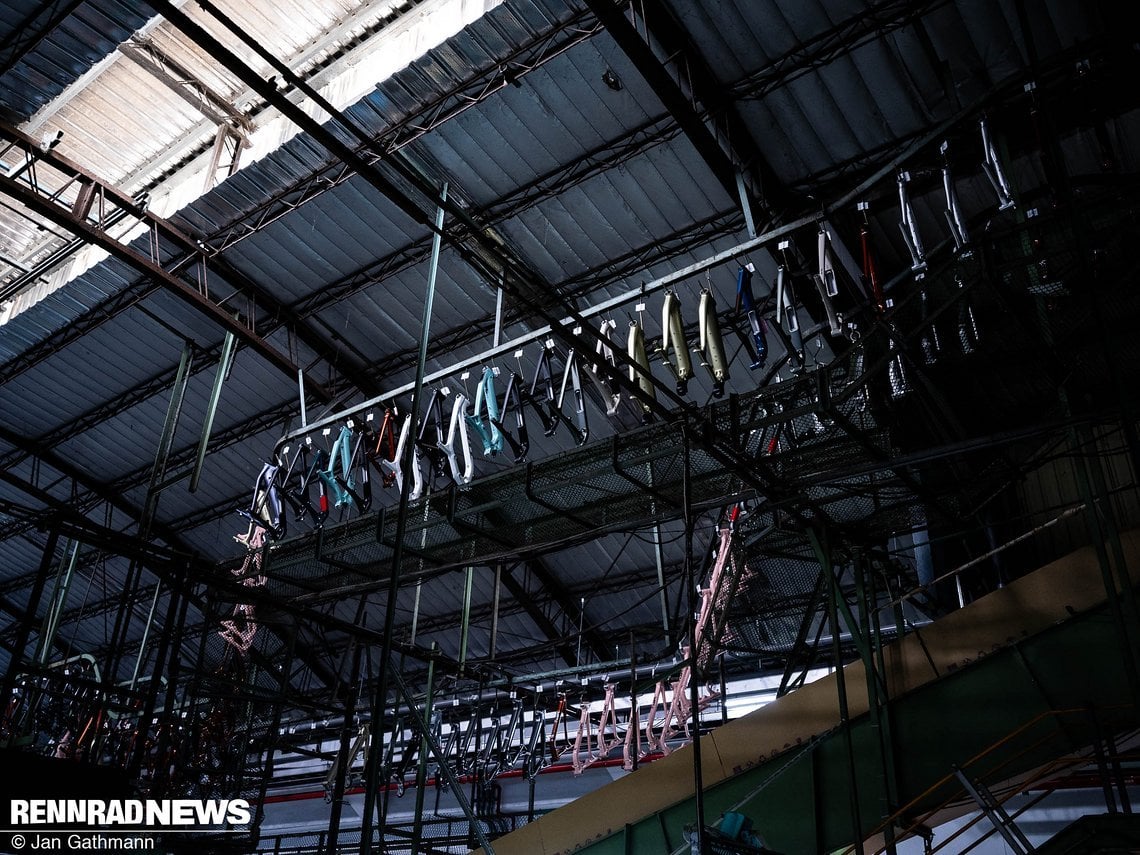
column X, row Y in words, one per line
column 983, row 784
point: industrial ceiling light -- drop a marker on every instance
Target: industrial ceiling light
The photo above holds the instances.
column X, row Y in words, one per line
column 611, row 80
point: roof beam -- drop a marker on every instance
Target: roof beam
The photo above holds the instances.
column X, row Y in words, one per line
column 879, row 20
column 669, row 92
column 728, row 126
column 165, row 68
column 482, row 84
column 414, row 193
column 23, row 185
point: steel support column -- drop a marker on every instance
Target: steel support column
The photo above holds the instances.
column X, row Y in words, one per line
column 17, row 660
column 691, row 583
column 146, row 520
column 225, row 362
column 343, row 760
column 58, row 602
column 877, row 698
column 170, row 628
column 421, row 766
column 822, row 548
column 380, row 700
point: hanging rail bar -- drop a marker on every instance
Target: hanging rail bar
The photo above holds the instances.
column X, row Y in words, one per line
column 726, row 256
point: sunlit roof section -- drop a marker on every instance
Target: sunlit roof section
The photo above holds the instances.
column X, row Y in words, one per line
column 159, row 116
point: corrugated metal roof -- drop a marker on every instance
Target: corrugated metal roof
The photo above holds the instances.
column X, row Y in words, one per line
column 60, row 51
column 154, row 112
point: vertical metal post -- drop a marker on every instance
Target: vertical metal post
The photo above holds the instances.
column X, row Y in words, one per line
column 380, row 698
column 530, row 798
column 634, row 710
column 193, row 694
column 284, row 689
column 16, row 662
column 143, row 650
column 581, row 628
column 416, row 610
column 166, row 440
column 465, row 620
column 301, row 395
column 746, row 205
column 421, row 768
column 723, row 692
column 1118, row 774
column 173, row 662
column 877, row 691
column 498, row 313
column 659, row 558
column 150, row 506
column 690, row 576
column 227, row 356
column 58, row 602
column 172, row 609
column 896, row 598
column 495, row 610
column 662, row 591
column 343, row 760
column 476, row 765
column 823, row 555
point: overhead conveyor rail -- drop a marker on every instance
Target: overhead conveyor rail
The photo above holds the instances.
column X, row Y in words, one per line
column 620, row 483
column 1000, row 673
